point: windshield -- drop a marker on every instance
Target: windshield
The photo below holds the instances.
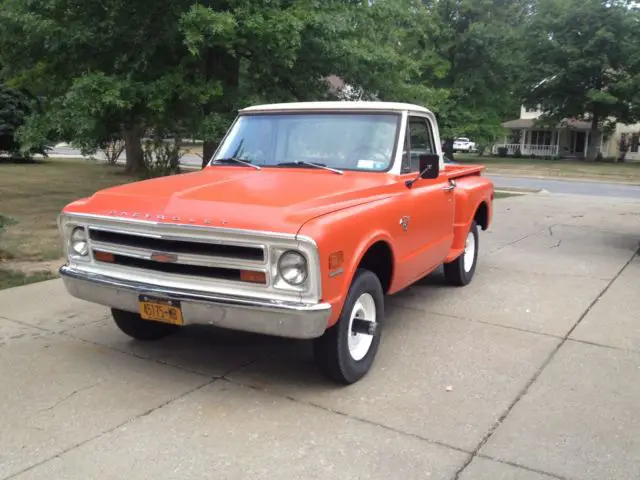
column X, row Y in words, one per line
column 345, row 141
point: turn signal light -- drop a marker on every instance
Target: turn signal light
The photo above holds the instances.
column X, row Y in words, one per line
column 253, row 277
column 104, row 257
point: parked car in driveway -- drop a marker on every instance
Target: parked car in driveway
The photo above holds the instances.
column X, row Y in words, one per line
column 307, row 217
column 463, row 144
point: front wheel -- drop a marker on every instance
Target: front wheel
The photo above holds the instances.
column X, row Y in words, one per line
column 461, row 270
column 346, row 351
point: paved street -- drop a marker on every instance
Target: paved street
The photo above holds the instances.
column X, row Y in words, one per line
column 572, row 187
column 531, row 372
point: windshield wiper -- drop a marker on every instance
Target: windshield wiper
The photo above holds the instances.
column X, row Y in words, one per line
column 235, row 160
column 317, row 165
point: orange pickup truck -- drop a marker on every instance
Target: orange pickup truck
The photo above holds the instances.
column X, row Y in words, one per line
column 305, row 219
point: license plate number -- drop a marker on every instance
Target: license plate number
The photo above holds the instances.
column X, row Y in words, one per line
column 158, row 310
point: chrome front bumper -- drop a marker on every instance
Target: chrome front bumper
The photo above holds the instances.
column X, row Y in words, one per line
column 282, row 319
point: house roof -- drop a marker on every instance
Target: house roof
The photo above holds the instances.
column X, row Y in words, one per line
column 531, row 122
column 337, row 106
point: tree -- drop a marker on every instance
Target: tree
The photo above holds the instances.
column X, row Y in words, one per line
column 15, row 107
column 274, row 51
column 584, row 58
column 104, row 69
column 119, row 69
column 479, row 42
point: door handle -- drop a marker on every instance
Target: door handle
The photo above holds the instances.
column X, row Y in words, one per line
column 452, row 185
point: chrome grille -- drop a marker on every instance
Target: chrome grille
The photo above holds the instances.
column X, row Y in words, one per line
column 157, row 244
column 188, row 257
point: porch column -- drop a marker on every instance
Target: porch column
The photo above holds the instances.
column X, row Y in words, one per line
column 557, row 143
column 523, row 138
column 586, row 144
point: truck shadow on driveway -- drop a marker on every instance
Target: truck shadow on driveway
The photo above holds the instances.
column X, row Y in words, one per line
column 217, row 352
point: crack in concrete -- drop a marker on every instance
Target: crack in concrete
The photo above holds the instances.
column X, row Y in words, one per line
column 511, row 243
column 67, row 397
column 537, row 374
column 144, row 414
column 346, row 415
column 602, row 345
column 483, row 322
column 517, row 465
column 106, row 432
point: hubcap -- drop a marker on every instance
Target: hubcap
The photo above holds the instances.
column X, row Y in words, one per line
column 469, row 252
column 360, row 343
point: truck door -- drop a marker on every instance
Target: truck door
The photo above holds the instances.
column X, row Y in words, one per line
column 429, row 232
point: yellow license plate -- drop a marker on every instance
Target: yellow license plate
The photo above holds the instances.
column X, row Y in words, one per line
column 164, row 311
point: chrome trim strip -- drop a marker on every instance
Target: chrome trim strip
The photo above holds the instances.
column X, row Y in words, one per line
column 208, row 230
column 270, row 317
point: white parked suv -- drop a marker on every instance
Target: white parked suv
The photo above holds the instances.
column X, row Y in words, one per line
column 463, row 144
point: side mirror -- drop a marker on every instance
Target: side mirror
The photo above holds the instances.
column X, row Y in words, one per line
column 429, row 165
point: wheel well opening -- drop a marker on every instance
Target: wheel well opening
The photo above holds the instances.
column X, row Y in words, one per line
column 482, row 216
column 379, row 260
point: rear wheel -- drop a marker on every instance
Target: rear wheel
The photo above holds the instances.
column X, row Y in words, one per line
column 134, row 326
column 346, row 351
column 461, row 270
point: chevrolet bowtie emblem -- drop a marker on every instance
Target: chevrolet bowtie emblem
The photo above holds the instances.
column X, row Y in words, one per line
column 164, row 257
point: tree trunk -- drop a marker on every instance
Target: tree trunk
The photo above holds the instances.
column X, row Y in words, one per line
column 592, row 151
column 208, row 149
column 133, row 148
column 448, row 148
column 221, row 65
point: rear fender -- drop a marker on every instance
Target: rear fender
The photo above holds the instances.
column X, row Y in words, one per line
column 473, row 196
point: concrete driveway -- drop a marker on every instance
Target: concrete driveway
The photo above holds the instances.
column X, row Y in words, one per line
column 531, row 372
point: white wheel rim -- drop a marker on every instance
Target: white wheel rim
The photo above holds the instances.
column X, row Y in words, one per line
column 360, row 343
column 469, row 252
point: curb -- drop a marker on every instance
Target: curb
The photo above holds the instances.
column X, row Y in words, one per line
column 518, row 190
column 561, row 179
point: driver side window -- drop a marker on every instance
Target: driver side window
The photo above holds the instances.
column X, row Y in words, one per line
column 418, row 141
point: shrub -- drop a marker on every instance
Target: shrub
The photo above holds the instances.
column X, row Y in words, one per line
column 162, row 158
column 517, row 153
column 502, row 151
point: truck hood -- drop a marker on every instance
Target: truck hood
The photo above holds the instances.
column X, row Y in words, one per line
column 271, row 199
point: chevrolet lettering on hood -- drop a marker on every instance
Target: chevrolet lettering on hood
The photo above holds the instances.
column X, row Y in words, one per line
column 173, row 218
column 306, row 218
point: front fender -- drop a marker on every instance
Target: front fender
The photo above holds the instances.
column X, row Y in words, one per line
column 349, row 234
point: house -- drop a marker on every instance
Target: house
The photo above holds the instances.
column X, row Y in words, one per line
column 566, row 139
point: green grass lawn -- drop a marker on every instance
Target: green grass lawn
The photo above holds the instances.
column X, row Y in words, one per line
column 31, row 198
column 557, row 169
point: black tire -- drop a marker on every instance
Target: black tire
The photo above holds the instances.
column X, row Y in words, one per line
column 331, row 350
column 454, row 272
column 134, row 326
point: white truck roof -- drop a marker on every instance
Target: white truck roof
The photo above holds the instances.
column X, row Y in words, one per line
column 337, row 106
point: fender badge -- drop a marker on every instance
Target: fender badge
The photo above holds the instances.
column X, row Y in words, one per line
column 164, row 257
column 404, row 222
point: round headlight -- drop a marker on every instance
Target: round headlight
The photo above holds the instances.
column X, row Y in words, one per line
column 293, row 268
column 78, row 241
